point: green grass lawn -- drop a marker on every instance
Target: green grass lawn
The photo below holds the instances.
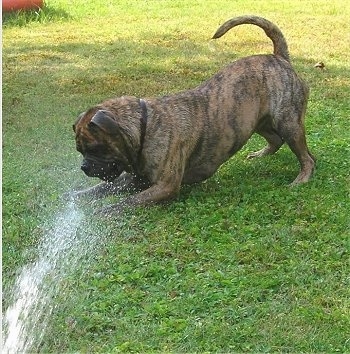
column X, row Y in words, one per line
column 240, row 263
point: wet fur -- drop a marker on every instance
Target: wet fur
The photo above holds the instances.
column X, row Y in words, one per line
column 190, row 134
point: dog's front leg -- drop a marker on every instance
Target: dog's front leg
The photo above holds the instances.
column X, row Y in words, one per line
column 99, row 191
column 124, row 183
column 157, row 193
column 166, row 187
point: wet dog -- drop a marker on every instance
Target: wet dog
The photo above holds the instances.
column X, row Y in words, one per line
column 156, row 144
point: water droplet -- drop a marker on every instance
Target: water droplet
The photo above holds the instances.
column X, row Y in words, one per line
column 64, row 244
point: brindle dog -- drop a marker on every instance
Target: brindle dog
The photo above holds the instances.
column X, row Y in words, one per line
column 157, row 144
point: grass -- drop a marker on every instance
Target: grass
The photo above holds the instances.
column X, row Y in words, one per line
column 238, row 263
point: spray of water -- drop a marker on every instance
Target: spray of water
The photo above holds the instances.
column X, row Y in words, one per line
column 65, row 243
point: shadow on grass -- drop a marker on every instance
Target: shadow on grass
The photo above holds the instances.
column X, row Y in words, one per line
column 95, row 71
column 125, row 62
column 22, row 18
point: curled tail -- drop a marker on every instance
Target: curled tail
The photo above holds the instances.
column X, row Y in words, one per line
column 280, row 46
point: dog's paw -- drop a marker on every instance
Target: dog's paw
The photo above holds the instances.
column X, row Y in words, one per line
column 260, row 153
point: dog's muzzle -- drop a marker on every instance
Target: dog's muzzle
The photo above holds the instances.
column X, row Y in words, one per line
column 86, row 168
column 108, row 172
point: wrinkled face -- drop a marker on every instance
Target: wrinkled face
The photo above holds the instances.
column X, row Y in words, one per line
column 101, row 156
column 99, row 162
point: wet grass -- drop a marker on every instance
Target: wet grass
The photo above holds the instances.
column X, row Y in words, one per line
column 238, row 263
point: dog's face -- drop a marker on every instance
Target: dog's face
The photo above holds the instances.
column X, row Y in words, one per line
column 100, row 142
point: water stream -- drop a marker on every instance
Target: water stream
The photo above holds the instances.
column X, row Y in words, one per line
column 64, row 244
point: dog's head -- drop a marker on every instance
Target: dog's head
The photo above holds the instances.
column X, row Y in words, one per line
column 100, row 140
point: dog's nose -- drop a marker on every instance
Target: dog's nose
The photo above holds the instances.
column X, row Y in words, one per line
column 85, row 167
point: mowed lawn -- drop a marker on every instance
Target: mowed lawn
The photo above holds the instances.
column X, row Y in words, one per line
column 239, row 263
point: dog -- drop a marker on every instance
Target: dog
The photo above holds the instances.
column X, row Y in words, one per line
column 155, row 145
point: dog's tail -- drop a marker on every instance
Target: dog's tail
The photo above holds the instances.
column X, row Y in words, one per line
column 271, row 30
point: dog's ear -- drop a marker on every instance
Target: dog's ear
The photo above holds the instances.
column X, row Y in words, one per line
column 103, row 120
column 81, row 115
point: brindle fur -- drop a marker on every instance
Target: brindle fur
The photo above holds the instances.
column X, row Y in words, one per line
column 190, row 134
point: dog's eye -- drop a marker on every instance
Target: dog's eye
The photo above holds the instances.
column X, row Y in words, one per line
column 96, row 149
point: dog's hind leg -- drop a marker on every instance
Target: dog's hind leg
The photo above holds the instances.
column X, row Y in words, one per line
column 292, row 131
column 297, row 143
column 274, row 141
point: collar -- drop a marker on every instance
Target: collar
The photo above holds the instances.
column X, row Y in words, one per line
column 143, row 122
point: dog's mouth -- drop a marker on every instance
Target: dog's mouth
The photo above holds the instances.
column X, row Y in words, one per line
column 107, row 171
